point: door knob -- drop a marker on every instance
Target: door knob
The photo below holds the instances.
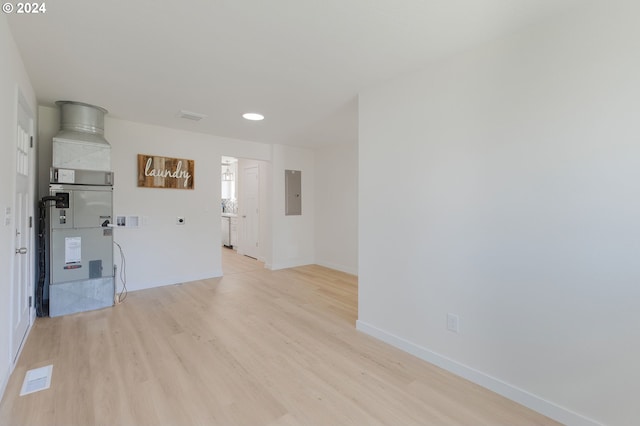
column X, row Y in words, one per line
column 21, row 250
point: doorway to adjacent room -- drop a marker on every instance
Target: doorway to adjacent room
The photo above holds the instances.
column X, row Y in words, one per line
column 243, row 203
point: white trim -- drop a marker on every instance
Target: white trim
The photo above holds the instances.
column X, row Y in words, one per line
column 13, row 363
column 511, row 392
column 5, row 380
column 292, row 263
column 341, row 268
column 22, row 345
column 217, row 273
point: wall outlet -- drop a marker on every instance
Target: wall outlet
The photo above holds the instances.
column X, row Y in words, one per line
column 453, row 323
column 180, row 220
column 128, row 221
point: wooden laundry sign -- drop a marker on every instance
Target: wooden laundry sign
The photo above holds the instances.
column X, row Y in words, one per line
column 165, row 172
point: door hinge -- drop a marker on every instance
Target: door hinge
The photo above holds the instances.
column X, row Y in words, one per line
column 30, row 301
column 31, row 141
column 30, row 221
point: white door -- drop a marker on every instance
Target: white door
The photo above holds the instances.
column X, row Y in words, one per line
column 250, row 211
column 21, row 286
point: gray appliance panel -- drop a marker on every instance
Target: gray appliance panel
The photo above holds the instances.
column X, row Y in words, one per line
column 89, row 206
column 80, row 254
column 92, row 208
column 80, row 177
column 81, row 296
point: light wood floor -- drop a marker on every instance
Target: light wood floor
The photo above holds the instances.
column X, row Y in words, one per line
column 256, row 347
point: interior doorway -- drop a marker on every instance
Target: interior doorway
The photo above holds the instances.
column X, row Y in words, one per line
column 243, row 205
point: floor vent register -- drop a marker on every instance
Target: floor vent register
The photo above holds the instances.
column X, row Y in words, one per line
column 36, row 380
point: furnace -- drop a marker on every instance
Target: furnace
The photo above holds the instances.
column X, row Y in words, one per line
column 80, row 212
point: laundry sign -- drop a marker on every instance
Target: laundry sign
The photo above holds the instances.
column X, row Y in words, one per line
column 165, row 172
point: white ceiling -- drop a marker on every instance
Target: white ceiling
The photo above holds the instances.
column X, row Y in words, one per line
column 301, row 63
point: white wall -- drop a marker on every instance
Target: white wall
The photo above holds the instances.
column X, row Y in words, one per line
column 336, row 201
column 521, row 207
column 161, row 252
column 48, row 126
column 13, row 78
column 292, row 236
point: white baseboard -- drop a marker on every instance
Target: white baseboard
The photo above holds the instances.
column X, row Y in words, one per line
column 513, row 393
column 5, row 380
column 12, row 364
column 291, row 263
column 341, row 268
column 216, row 273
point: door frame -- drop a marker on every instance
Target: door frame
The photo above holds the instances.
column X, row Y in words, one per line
column 264, row 203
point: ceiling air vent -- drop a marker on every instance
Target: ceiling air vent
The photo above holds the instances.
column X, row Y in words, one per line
column 191, row 115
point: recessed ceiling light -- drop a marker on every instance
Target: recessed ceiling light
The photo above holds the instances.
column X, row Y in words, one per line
column 253, row 116
column 191, row 115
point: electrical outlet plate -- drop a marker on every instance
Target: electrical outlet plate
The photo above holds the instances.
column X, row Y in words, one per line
column 128, row 221
column 453, row 323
